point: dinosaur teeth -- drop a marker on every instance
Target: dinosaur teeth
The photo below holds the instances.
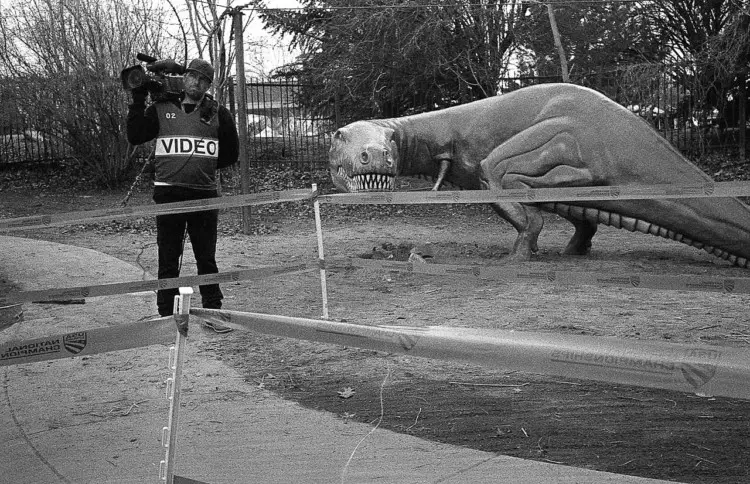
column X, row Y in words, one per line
column 372, row 181
column 576, row 212
column 722, row 254
column 642, row 226
column 591, row 214
column 632, row 224
column 562, row 209
column 628, row 223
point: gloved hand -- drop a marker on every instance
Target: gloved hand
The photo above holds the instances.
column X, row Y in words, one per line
column 140, row 94
column 150, row 167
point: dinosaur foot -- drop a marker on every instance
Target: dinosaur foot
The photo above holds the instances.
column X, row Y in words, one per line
column 518, row 257
column 576, row 250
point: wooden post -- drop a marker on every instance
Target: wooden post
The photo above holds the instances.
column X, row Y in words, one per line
column 241, row 94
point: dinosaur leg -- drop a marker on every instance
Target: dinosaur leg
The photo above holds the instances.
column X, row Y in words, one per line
column 580, row 243
column 544, row 155
column 528, row 221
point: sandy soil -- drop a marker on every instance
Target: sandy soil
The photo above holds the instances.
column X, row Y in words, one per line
column 619, row 429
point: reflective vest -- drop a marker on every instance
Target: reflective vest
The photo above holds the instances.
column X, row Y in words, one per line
column 186, row 148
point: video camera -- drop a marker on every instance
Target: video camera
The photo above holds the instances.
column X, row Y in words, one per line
column 162, row 78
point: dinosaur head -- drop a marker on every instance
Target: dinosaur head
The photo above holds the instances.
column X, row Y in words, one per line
column 363, row 157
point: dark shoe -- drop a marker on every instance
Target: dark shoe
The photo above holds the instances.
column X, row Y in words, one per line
column 216, row 327
column 151, row 317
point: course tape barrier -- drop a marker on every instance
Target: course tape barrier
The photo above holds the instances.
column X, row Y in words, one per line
column 185, row 480
column 79, row 292
column 108, row 214
column 530, row 195
column 89, row 342
column 727, row 285
column 706, row 370
column 540, row 195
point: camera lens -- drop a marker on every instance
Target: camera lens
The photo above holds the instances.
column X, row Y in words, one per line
column 135, row 78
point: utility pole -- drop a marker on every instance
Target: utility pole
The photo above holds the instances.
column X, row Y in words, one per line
column 241, row 95
column 558, row 43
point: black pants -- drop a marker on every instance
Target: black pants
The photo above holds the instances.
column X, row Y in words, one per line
column 170, row 235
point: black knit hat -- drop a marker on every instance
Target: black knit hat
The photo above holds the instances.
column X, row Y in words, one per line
column 201, row 67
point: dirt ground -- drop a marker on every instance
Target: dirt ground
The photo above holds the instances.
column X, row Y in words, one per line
column 626, row 430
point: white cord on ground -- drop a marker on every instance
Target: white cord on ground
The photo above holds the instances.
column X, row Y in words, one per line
column 380, row 419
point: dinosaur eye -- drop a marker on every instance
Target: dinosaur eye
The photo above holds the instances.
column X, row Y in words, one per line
column 386, row 157
column 365, row 157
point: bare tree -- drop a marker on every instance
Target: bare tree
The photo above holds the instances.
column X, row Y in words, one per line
column 711, row 39
column 207, row 27
column 558, row 43
column 64, row 57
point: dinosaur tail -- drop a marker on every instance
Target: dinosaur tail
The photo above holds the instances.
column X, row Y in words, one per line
column 720, row 226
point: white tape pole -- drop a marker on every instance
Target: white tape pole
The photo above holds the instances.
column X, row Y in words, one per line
column 321, row 256
column 169, row 433
column 707, row 370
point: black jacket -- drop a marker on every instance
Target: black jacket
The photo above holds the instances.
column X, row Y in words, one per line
column 143, row 126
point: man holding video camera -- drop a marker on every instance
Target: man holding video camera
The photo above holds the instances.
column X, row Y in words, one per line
column 195, row 137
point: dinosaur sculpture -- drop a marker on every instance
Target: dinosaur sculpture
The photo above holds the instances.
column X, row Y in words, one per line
column 552, row 135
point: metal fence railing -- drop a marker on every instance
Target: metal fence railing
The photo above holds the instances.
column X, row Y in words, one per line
column 23, row 143
column 672, row 103
column 282, row 132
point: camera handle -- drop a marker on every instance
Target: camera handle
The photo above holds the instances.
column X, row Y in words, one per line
column 145, row 58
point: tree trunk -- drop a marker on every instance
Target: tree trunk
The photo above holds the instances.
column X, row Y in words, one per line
column 242, row 116
column 558, row 43
column 742, row 122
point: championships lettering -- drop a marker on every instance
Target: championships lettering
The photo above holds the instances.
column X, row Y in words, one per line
column 31, row 349
column 613, row 361
column 183, row 145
